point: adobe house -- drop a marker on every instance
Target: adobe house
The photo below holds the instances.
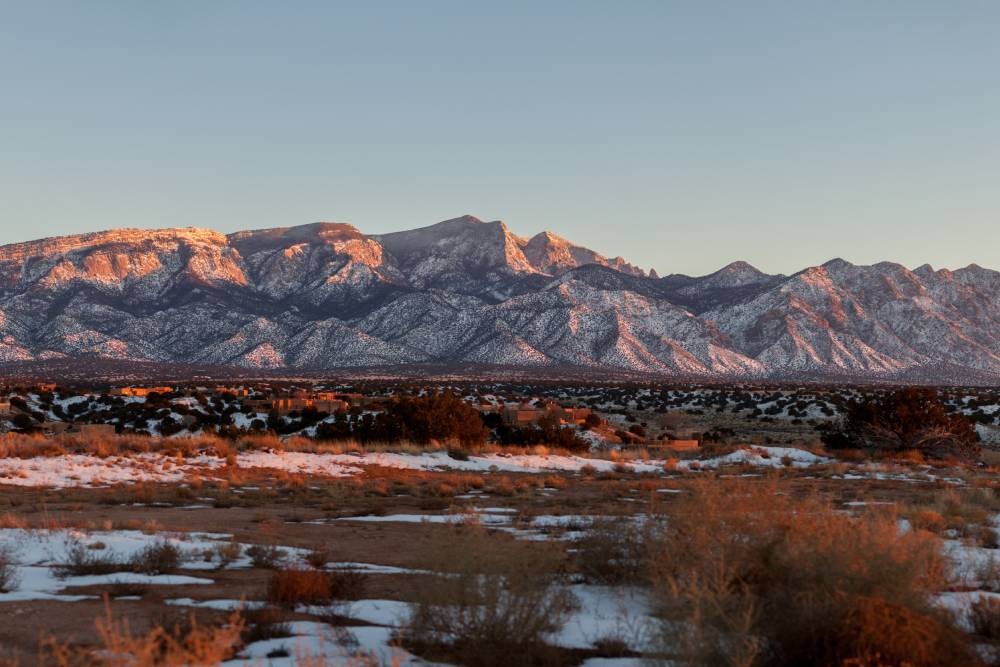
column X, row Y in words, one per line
column 239, row 392
column 520, row 415
column 286, row 404
column 680, row 445
column 140, row 392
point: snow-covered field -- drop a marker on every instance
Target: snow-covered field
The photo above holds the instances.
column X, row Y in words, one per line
column 35, row 553
column 602, row 613
column 79, row 470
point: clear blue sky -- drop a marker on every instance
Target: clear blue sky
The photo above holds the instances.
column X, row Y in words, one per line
column 680, row 135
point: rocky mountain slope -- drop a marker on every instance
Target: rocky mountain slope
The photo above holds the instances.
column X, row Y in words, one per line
column 465, row 291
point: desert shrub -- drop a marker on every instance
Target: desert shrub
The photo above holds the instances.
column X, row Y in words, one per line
column 346, row 584
column 984, row 617
column 612, row 647
column 987, row 538
column 436, row 416
column 156, row 558
column 318, row 558
column 555, row 481
column 492, row 602
column 264, row 623
column 8, row 571
column 929, row 520
column 504, row 486
column 266, row 556
column 82, row 561
column 987, row 575
column 295, row 586
column 9, row 520
column 966, row 513
column 227, row 553
column 878, row 632
column 911, row 419
column 744, row 575
column 458, row 454
column 432, row 503
column 611, row 551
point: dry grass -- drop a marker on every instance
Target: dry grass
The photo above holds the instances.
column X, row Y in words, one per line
column 21, row 445
column 745, row 575
column 960, row 513
column 179, row 644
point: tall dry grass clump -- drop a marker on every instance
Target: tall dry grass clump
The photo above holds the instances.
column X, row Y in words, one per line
column 31, row 445
column 177, row 645
column 294, row 586
column 744, row 575
column 492, row 602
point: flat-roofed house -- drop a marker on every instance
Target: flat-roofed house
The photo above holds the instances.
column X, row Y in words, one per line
column 140, row 392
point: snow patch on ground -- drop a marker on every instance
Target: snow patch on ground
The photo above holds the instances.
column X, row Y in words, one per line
column 35, row 552
column 75, row 470
column 763, row 457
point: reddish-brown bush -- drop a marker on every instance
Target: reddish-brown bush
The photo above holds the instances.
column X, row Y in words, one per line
column 295, row 586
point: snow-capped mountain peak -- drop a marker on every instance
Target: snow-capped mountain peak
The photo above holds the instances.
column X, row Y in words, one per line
column 326, row 295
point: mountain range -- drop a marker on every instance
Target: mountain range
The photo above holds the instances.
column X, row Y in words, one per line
column 464, row 291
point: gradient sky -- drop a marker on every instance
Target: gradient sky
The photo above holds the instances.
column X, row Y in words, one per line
column 681, row 135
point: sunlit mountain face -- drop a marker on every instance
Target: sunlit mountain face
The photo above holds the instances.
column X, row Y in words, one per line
column 327, row 295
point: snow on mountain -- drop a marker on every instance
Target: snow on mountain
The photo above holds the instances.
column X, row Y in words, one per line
column 327, row 295
column 732, row 283
column 555, row 255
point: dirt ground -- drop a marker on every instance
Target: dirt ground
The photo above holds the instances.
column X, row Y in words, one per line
column 314, row 513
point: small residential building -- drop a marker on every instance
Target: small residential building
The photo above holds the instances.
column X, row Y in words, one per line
column 521, row 415
column 285, row 405
column 239, row 392
column 524, row 414
column 331, row 405
column 360, row 400
column 258, row 404
column 572, row 415
column 140, row 392
column 679, row 445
